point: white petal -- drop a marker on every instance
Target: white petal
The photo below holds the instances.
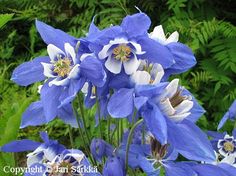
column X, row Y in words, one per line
column 222, row 152
column 70, row 51
column 174, row 37
column 219, row 142
column 74, row 73
column 104, row 52
column 172, row 88
column 166, row 107
column 47, row 70
column 32, row 159
column 131, row 66
column 137, row 47
column 59, row 82
column 53, row 51
column 83, row 56
column 184, row 107
column 113, row 65
column 179, row 117
column 158, row 34
column 158, row 73
column 141, row 77
column 50, row 154
column 85, row 88
column 39, row 88
column 229, row 159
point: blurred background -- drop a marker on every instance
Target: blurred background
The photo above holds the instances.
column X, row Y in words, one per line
column 206, row 26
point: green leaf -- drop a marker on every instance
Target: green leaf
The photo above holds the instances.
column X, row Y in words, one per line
column 4, row 18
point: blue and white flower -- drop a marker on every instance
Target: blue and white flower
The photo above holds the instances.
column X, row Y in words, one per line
column 227, row 146
column 63, row 65
column 121, row 52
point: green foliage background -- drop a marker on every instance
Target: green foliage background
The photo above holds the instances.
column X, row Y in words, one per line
column 208, row 27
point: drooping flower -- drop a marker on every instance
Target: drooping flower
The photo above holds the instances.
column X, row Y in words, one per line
column 99, row 149
column 230, row 114
column 114, row 166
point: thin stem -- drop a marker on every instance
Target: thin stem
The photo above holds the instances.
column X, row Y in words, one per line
column 99, row 114
column 81, row 107
column 71, row 137
column 81, row 133
column 108, row 129
column 118, row 132
column 129, row 142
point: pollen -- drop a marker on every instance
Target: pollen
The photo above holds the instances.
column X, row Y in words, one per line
column 228, row 146
column 122, row 52
column 62, row 67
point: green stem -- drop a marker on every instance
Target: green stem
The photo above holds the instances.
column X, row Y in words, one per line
column 99, row 114
column 129, row 141
column 86, row 147
column 118, row 132
column 108, row 129
column 81, row 107
column 71, row 137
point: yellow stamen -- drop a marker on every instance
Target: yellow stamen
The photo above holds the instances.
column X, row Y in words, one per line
column 229, row 147
column 122, row 52
column 62, row 67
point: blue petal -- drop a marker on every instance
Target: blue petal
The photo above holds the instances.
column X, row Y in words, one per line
column 70, row 93
column 190, row 141
column 150, row 90
column 183, row 56
column 50, row 100
column 121, row 103
column 92, row 69
column 113, row 167
column 232, row 110
column 140, row 101
column 228, row 168
column 156, row 123
column 33, row 115
column 197, row 110
column 67, row 115
column 147, row 166
column 20, row 146
column 54, row 36
column 120, row 81
column 178, row 169
column 156, row 52
column 136, row 25
column 29, row 72
column 44, row 136
column 209, row 170
column 223, row 120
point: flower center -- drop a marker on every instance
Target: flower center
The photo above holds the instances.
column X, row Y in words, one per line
column 228, row 146
column 158, row 151
column 62, row 67
column 122, row 52
column 177, row 98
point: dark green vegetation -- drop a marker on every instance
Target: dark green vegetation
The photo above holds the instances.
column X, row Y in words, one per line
column 208, row 27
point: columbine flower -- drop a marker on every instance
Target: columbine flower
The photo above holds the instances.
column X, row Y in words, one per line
column 65, row 71
column 63, row 66
column 121, row 52
column 230, row 114
column 227, row 146
column 159, row 35
column 99, row 148
column 125, row 45
column 42, row 152
column 114, row 166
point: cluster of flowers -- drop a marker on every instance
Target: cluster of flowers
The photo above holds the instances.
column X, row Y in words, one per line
column 125, row 70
